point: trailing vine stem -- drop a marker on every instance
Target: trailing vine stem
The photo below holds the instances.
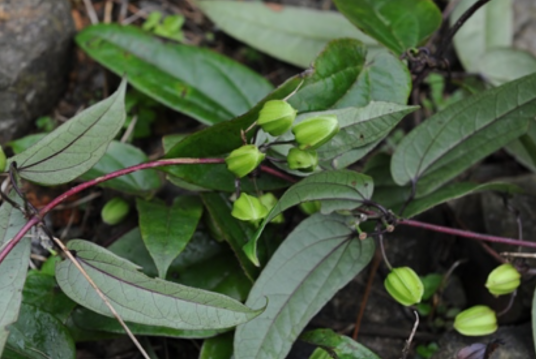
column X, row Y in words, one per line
column 39, row 215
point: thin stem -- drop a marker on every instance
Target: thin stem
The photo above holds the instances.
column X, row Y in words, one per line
column 467, row 234
column 405, row 351
column 453, row 30
column 509, row 305
column 277, row 173
column 382, row 247
column 38, row 217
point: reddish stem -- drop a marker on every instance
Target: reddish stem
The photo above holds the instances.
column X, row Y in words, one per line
column 277, row 173
column 38, row 217
column 467, row 234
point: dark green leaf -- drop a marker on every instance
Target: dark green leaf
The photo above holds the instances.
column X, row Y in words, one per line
column 399, row 25
column 431, row 284
column 76, row 146
column 292, row 34
column 317, row 259
column 235, row 232
column 464, row 133
column 88, row 320
column 453, row 191
column 342, row 346
column 338, row 190
column 524, row 148
column 488, row 28
column 198, row 82
column 42, row 291
column 220, row 347
column 167, row 230
column 121, row 155
column 13, row 268
column 140, row 299
column 37, row 335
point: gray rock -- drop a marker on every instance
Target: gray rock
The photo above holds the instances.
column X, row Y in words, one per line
column 517, row 343
column 35, row 37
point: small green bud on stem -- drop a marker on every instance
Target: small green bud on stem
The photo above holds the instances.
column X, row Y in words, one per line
column 303, row 160
column 476, row 321
column 114, row 211
column 276, row 117
column 503, row 280
column 248, row 208
column 404, row 285
column 316, row 131
column 244, row 160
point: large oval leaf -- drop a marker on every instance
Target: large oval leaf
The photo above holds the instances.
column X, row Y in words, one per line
column 489, row 27
column 317, row 259
column 76, row 146
column 338, row 190
column 140, row 299
column 399, row 25
column 289, row 33
column 198, row 82
column 37, row 335
column 167, row 230
column 459, row 136
column 13, row 268
column 121, row 155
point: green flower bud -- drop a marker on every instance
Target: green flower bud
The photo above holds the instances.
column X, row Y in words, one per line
column 114, row 211
column 310, row 207
column 3, row 160
column 248, row 208
column 269, row 201
column 303, row 160
column 276, row 117
column 476, row 321
column 244, row 160
column 503, row 280
column 404, row 285
column 314, row 132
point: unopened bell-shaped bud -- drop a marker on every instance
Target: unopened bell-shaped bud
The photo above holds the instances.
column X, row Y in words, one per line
column 276, row 117
column 244, row 160
column 248, row 208
column 476, row 321
column 269, row 201
column 404, row 285
column 303, row 160
column 3, row 160
column 503, row 280
column 314, row 132
column 310, row 207
column 114, row 211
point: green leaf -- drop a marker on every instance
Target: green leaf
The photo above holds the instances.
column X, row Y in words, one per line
column 464, row 133
column 489, row 27
column 76, row 146
column 342, row 346
column 88, row 320
column 431, row 283
column 37, row 335
column 399, row 25
column 220, row 347
column 167, row 230
column 499, row 66
column 118, row 156
column 338, row 190
column 198, row 82
column 524, row 148
column 140, row 299
column 42, row 291
column 453, row 191
column 292, row 34
column 235, row 232
column 22, row 144
column 318, row 258
column 359, row 127
column 13, row 267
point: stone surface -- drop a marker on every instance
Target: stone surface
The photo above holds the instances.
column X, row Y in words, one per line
column 525, row 25
column 516, row 343
column 35, row 38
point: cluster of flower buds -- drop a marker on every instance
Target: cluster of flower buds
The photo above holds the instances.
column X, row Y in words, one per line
column 253, row 210
column 404, row 285
column 114, row 211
